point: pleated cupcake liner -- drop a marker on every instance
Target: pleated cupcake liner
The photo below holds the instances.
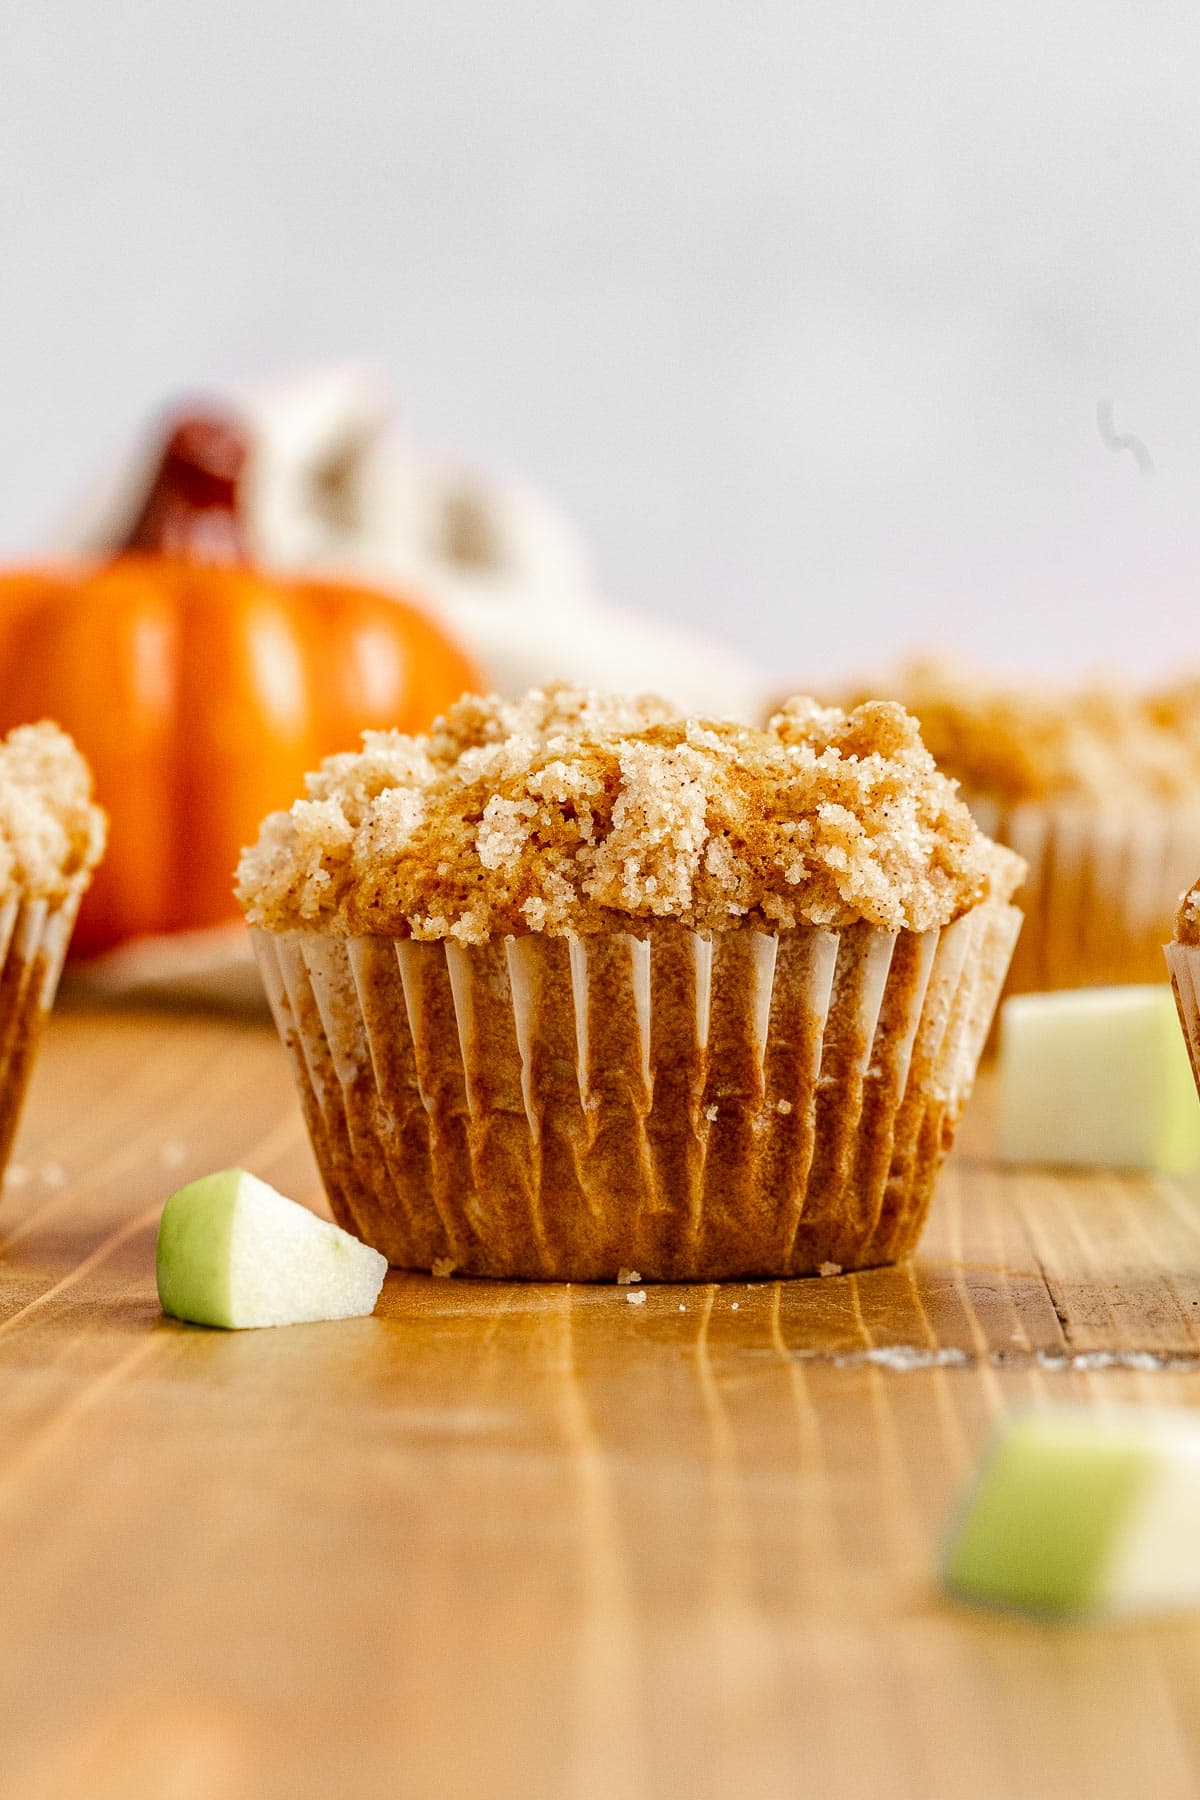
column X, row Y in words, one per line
column 1183, row 965
column 1101, row 892
column 686, row 1106
column 34, row 935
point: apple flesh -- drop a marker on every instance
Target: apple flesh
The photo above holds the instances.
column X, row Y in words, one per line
column 1077, row 1513
column 1097, row 1077
column 234, row 1252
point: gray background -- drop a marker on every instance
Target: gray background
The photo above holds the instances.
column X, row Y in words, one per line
column 804, row 313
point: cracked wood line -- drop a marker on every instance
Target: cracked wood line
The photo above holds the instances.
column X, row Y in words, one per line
column 535, row 1541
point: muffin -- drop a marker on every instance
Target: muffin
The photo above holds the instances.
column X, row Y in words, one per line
column 574, row 988
column 1097, row 788
column 51, row 838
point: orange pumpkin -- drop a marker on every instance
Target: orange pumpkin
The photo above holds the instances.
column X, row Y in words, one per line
column 201, row 688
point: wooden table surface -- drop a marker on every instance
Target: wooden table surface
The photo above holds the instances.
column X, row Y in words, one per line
column 540, row 1541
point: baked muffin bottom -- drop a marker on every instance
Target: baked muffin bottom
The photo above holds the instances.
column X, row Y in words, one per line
column 692, row 1106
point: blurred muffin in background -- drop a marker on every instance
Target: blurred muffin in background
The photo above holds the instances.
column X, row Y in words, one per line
column 333, row 486
column 51, row 838
column 1097, row 786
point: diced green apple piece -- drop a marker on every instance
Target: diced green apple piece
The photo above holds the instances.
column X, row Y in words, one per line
column 234, row 1252
column 1100, row 1077
column 1077, row 1513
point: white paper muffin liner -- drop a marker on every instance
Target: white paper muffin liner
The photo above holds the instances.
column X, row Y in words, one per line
column 1102, row 888
column 1183, row 965
column 34, row 935
column 691, row 1107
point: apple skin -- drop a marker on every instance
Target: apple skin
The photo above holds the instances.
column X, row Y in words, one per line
column 1078, row 1512
column 1038, row 1532
column 234, row 1253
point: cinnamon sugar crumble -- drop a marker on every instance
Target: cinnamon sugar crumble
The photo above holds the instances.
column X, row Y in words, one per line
column 51, row 832
column 573, row 812
column 1187, row 919
column 1015, row 741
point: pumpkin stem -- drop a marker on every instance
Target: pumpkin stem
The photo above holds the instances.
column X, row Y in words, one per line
column 191, row 510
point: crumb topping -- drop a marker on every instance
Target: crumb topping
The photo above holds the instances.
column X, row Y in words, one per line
column 51, row 833
column 1032, row 741
column 571, row 811
column 1187, row 919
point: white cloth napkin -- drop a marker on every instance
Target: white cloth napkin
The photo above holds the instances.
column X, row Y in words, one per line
column 334, row 487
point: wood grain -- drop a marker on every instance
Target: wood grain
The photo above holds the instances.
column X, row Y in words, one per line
column 541, row 1541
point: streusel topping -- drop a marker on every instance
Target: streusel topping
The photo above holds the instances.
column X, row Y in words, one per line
column 575, row 812
column 51, row 832
column 1187, row 919
column 1032, row 741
